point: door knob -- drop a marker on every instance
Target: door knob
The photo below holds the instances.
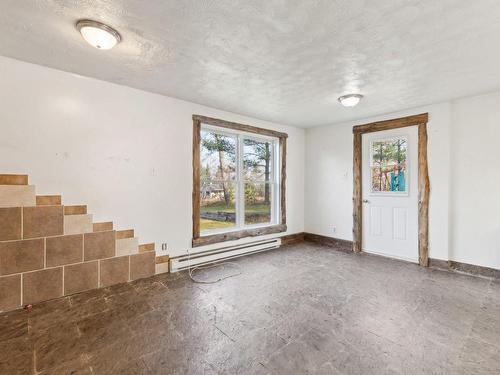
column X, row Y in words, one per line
column 365, row 201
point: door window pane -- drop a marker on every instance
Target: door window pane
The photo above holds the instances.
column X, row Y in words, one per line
column 389, row 165
column 258, row 199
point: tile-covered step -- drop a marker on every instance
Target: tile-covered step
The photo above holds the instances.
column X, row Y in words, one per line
column 10, row 292
column 21, row 256
column 75, row 210
column 127, row 246
column 127, row 233
column 17, row 195
column 99, row 245
column 48, row 200
column 104, row 226
column 63, row 250
column 42, row 221
column 13, row 179
column 42, row 285
column 80, row 277
column 162, row 264
column 146, row 247
column 114, row 271
column 48, row 250
column 75, row 224
column 142, row 265
column 10, row 223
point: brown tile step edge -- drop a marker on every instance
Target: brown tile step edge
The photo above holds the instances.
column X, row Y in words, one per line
column 146, row 247
column 48, row 200
column 103, row 226
column 127, row 233
column 75, row 210
column 13, row 179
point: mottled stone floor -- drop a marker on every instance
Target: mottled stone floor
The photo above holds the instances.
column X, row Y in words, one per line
column 298, row 310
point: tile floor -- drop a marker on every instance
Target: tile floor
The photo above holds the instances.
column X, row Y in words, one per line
column 302, row 309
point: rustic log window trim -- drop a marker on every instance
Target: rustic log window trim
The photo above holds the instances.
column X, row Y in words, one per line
column 201, row 240
column 423, row 179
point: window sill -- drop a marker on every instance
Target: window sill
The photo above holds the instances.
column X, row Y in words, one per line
column 231, row 236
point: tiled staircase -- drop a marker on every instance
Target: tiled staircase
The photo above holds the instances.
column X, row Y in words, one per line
column 48, row 250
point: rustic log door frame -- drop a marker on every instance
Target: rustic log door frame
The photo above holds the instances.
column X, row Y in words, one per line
column 423, row 179
column 201, row 240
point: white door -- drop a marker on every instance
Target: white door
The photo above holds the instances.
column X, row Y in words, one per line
column 390, row 193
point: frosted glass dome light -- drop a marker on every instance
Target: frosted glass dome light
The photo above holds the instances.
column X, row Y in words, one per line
column 350, row 100
column 97, row 34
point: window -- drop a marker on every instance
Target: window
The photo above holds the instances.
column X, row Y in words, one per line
column 238, row 181
column 388, row 165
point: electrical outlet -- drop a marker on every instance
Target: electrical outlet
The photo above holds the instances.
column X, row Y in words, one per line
column 334, row 229
column 164, row 246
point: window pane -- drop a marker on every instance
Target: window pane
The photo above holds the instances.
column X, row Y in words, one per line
column 257, row 160
column 388, row 165
column 258, row 197
column 218, row 156
column 217, row 210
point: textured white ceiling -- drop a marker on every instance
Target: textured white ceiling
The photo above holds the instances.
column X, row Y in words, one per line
column 281, row 60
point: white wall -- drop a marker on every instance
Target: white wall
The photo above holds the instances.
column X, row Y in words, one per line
column 124, row 152
column 127, row 154
column 475, row 213
column 464, row 207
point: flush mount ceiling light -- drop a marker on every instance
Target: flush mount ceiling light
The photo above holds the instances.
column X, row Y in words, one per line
column 97, row 34
column 350, row 100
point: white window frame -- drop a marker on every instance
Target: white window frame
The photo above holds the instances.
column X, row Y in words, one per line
column 240, row 181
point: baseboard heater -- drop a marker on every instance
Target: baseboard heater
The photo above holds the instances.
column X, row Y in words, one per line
column 218, row 255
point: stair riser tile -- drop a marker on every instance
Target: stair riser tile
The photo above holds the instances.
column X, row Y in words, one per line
column 162, row 259
column 64, row 250
column 76, row 224
column 102, row 227
column 13, row 179
column 99, row 245
column 127, row 246
column 128, row 233
column 17, row 196
column 48, row 200
column 114, row 271
column 42, row 285
column 80, row 277
column 142, row 265
column 42, row 221
column 146, row 247
column 21, row 256
column 75, row 210
column 10, row 292
column 10, row 223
